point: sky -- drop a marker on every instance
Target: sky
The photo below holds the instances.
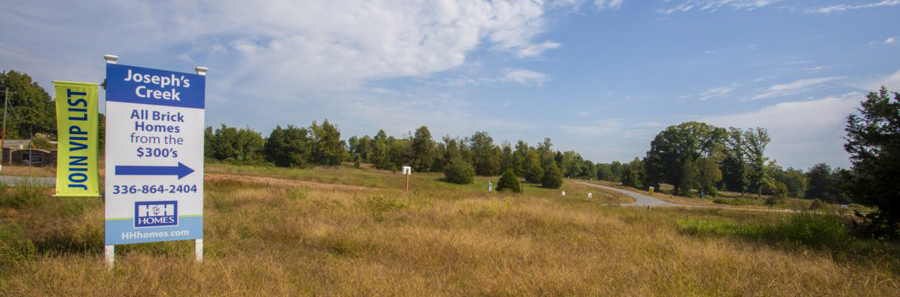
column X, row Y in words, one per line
column 599, row 77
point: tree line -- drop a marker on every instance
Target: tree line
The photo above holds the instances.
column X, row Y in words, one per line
column 696, row 158
column 459, row 158
column 702, row 159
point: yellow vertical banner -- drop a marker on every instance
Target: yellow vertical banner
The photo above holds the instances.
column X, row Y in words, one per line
column 77, row 133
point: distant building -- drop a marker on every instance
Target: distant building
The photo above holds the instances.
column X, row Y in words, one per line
column 19, row 152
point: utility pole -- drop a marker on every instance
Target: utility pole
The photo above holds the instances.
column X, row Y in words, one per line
column 3, row 139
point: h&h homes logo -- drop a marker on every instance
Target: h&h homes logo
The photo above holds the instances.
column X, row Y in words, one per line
column 155, row 213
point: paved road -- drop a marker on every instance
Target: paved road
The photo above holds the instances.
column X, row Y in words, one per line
column 639, row 199
column 13, row 180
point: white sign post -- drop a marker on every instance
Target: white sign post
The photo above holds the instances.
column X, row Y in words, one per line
column 407, row 171
column 154, row 156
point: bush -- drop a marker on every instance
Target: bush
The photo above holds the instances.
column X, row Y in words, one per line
column 14, row 247
column 509, row 181
column 816, row 205
column 552, row 177
column 875, row 225
column 459, row 171
column 774, row 200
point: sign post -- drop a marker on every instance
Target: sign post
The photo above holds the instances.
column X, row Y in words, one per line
column 154, row 156
column 407, row 170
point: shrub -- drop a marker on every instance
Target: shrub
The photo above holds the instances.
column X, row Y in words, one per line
column 459, row 171
column 552, row 177
column 509, row 181
column 816, row 205
column 774, row 200
column 14, row 247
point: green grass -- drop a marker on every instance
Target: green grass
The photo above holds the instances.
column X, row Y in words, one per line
column 827, row 232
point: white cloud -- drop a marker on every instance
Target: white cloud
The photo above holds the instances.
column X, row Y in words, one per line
column 843, row 7
column 717, row 92
column 608, row 4
column 525, row 77
column 815, row 69
column 764, row 78
column 890, row 81
column 282, row 44
column 803, row 132
column 286, row 61
column 534, row 50
column 596, row 129
column 890, row 40
column 714, row 5
column 795, row 87
column 585, row 113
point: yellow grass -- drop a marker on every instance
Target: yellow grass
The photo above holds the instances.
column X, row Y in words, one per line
column 277, row 237
column 15, row 170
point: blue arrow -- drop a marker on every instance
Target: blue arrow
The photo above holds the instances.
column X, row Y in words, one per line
column 181, row 170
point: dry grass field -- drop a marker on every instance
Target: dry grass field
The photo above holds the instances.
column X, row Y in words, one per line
column 355, row 232
column 27, row 171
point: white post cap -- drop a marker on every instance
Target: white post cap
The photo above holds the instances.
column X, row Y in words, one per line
column 111, row 59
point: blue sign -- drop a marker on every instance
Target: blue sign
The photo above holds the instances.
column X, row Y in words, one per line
column 155, row 122
column 156, row 87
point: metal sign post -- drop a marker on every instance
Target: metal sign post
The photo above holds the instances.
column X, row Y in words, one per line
column 154, row 156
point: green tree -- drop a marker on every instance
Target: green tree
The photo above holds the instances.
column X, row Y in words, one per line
column 381, row 151
column 873, row 141
column 633, row 174
column 328, row 148
column 571, row 163
column 288, row 147
column 553, row 178
column 615, row 168
column 509, row 182
column 400, row 152
column 545, row 151
column 689, row 178
column 708, row 175
column 793, row 179
column 824, row 184
column 755, row 142
column 534, row 171
column 30, row 108
column 208, row 138
column 604, row 172
column 506, row 157
column 671, row 148
column 485, row 155
column 236, row 145
column 520, row 155
column 459, row 171
column 423, row 150
column 734, row 165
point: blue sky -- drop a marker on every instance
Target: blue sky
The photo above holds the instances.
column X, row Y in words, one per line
column 599, row 77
